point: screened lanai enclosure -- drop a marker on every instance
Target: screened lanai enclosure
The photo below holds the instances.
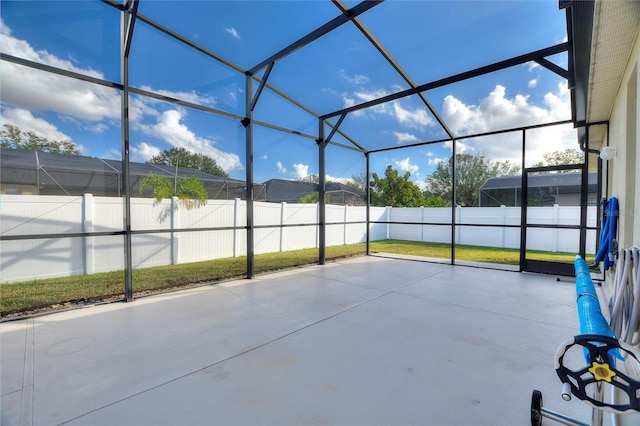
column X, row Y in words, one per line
column 307, row 91
column 403, row 207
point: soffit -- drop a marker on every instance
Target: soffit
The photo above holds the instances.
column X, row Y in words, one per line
column 615, row 28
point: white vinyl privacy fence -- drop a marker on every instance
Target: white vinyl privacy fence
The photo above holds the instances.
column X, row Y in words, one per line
column 168, row 234
column 435, row 226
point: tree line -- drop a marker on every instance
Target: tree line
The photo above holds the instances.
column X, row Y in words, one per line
column 471, row 173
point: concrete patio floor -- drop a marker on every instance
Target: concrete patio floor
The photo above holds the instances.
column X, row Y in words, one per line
column 365, row 341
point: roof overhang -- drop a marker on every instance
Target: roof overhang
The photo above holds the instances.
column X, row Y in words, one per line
column 602, row 35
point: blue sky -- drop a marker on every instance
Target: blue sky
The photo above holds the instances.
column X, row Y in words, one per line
column 430, row 40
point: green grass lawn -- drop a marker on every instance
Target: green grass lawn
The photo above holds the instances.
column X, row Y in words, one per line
column 469, row 253
column 56, row 293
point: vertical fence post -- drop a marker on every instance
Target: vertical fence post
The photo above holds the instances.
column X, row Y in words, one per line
column 318, row 225
column 175, row 219
column 422, row 209
column 388, row 219
column 556, row 221
column 346, row 217
column 87, row 226
column 283, row 215
column 236, row 221
column 458, row 221
column 503, row 221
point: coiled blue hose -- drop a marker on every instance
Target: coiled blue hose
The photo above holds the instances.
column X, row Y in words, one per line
column 608, row 234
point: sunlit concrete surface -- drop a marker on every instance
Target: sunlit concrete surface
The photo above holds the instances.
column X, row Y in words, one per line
column 365, row 341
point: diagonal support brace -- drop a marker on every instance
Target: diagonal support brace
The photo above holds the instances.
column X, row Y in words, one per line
column 132, row 23
column 552, row 67
column 334, row 129
column 263, row 82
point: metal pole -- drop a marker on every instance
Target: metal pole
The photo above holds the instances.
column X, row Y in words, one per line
column 126, row 177
column 598, row 395
column 453, row 201
column 599, row 196
column 584, row 196
column 317, row 33
column 368, row 201
column 247, row 123
column 321, row 193
column 523, row 206
column 561, row 418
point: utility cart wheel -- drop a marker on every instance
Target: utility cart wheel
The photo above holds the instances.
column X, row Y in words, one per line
column 536, row 408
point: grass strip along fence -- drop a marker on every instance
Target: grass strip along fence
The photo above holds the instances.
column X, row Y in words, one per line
column 29, row 297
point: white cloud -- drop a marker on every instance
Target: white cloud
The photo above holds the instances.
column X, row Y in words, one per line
column 91, row 107
column 417, row 119
column 365, row 96
column 432, row 161
column 112, row 154
column 532, row 65
column 347, row 101
column 190, row 96
column 355, row 78
column 533, row 83
column 95, row 127
column 461, row 146
column 233, row 32
column 402, row 137
column 406, row 166
column 456, row 113
column 421, row 183
column 345, row 181
column 32, row 89
column 559, row 103
column 40, row 91
column 170, row 128
column 143, row 152
column 301, row 170
column 497, row 111
column 25, row 120
column 23, row 49
column 265, row 157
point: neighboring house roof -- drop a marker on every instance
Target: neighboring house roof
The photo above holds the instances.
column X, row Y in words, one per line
column 544, row 189
column 570, row 182
column 59, row 174
column 337, row 186
column 292, row 191
column 283, row 190
column 77, row 174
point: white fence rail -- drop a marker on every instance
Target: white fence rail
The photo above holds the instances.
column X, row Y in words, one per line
column 546, row 239
column 55, row 257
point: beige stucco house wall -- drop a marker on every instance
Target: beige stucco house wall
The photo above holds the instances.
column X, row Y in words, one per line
column 622, row 177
